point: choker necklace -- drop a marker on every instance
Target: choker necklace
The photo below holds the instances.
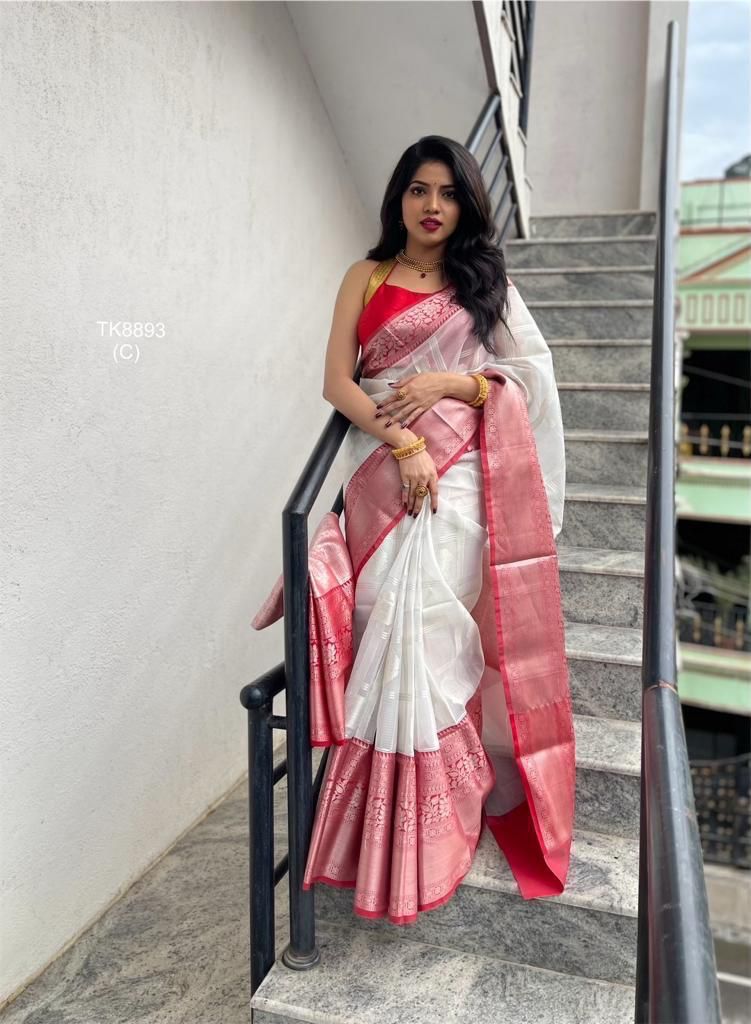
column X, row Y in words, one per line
column 423, row 266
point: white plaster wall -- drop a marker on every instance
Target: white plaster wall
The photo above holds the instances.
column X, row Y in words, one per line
column 390, row 72
column 596, row 103
column 170, row 163
column 660, row 13
column 586, row 105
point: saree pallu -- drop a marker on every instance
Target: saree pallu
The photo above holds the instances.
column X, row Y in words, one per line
column 438, row 666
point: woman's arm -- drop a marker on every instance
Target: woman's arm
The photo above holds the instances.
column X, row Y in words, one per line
column 462, row 386
column 341, row 358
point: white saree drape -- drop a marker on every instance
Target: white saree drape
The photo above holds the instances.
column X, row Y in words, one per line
column 419, row 656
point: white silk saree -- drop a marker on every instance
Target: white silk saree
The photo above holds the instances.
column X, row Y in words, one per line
column 438, row 669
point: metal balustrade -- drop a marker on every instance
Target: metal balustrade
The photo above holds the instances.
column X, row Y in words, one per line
column 676, row 976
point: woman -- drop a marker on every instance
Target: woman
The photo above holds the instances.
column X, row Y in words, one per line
column 437, row 647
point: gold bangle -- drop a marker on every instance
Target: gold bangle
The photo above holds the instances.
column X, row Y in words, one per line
column 482, row 394
column 409, row 449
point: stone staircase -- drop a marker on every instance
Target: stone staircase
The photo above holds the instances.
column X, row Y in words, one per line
column 488, row 955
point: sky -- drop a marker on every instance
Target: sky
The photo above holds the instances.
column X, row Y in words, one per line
column 717, row 97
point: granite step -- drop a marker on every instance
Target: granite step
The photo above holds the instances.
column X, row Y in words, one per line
column 605, row 406
column 486, row 914
column 604, row 516
column 604, row 666
column 624, row 360
column 370, row 978
column 608, row 767
column 594, row 251
column 602, row 585
column 592, row 318
column 606, row 456
column 626, row 282
column 586, row 225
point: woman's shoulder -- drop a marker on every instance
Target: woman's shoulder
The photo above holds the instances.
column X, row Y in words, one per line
column 358, row 277
column 358, row 274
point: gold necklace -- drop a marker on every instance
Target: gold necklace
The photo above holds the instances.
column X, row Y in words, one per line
column 423, row 266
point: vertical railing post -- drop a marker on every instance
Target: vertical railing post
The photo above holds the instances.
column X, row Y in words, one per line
column 302, row 952
column 261, row 831
column 526, row 81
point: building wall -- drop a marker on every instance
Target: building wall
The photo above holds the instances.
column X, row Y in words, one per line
column 390, row 73
column 174, row 164
column 596, row 104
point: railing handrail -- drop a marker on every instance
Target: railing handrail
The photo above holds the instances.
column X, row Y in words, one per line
column 676, row 972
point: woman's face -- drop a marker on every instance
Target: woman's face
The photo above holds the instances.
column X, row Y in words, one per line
column 431, row 195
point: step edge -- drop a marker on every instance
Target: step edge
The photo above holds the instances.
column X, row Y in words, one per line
column 595, row 213
column 599, row 342
column 600, row 554
column 579, row 239
column 607, row 436
column 579, row 654
column 636, row 497
column 633, row 387
column 603, row 342
column 626, row 268
column 589, row 303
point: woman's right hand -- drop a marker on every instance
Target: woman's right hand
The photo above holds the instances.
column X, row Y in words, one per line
column 415, row 470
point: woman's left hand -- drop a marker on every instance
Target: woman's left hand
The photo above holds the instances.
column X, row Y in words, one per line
column 422, row 391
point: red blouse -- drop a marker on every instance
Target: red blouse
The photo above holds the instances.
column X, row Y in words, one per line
column 387, row 300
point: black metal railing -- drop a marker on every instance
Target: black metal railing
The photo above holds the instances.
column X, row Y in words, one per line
column 293, row 674
column 520, row 17
column 676, row 978
column 488, row 142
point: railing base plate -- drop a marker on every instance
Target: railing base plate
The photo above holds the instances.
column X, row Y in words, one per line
column 295, row 962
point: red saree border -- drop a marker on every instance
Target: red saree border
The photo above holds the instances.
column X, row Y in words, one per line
column 402, row 829
column 403, row 919
column 535, row 837
column 416, row 323
column 377, row 480
column 385, row 449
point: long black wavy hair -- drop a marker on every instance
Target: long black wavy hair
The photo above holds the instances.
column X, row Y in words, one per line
column 473, row 260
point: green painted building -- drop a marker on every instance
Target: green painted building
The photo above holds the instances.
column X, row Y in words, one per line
column 713, row 491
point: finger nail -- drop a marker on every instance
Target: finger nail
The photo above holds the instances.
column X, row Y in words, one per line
column 378, row 414
column 389, row 423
